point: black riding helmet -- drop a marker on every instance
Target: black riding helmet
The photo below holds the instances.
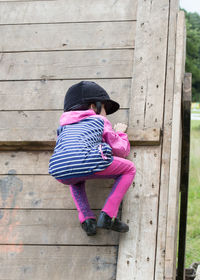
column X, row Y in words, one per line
column 87, row 92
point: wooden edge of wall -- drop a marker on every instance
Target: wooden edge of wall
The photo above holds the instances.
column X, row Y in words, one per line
column 175, row 157
column 145, row 137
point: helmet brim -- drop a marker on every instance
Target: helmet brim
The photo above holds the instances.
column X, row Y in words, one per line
column 111, row 106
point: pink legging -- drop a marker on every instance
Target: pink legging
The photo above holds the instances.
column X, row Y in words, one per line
column 122, row 170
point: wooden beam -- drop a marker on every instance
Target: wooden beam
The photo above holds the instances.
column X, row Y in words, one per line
column 149, row 64
column 166, row 143
column 136, row 258
column 175, row 157
column 143, row 137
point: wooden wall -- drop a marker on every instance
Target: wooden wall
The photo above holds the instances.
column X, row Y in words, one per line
column 149, row 250
column 136, row 52
column 47, row 46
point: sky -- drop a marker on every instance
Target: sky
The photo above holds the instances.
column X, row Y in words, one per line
column 190, row 5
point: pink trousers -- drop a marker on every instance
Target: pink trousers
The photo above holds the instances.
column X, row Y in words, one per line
column 122, row 170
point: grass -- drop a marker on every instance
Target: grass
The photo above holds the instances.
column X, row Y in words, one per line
column 193, row 220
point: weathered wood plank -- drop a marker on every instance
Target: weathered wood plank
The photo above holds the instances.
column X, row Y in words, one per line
column 4, row 1
column 136, row 259
column 174, row 176
column 25, row 129
column 150, row 137
column 166, row 146
column 149, row 67
column 28, row 163
column 144, row 137
column 39, row 191
column 66, row 11
column 49, row 227
column 67, row 36
column 67, row 65
column 38, row 125
column 57, row 262
column 49, row 95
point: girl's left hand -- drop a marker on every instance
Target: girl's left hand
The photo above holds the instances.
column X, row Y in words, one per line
column 121, row 127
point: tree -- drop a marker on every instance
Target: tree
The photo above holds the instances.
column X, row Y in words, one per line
column 193, row 52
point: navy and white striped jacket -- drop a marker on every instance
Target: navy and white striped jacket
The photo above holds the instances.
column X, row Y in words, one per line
column 85, row 145
column 79, row 148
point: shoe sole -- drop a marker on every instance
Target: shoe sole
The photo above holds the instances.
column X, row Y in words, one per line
column 91, row 234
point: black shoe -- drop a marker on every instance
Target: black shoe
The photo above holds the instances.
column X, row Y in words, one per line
column 89, row 226
column 107, row 222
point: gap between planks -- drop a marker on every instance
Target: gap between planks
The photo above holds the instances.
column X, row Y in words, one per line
column 66, row 22
column 61, row 245
column 68, row 50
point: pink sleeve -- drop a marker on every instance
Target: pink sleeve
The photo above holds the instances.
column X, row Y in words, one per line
column 118, row 141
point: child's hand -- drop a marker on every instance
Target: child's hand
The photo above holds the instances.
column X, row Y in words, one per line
column 121, row 127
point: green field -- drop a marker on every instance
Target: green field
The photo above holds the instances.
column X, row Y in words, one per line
column 193, row 222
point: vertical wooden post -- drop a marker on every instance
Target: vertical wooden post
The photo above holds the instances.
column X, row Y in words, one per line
column 175, row 155
column 166, row 144
column 185, row 156
column 137, row 256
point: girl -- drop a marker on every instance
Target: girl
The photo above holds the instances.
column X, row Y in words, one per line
column 88, row 148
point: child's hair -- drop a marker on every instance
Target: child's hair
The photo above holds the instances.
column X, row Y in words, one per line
column 86, row 106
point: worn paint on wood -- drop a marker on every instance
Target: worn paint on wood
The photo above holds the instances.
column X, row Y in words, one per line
column 43, row 76
column 24, row 162
column 36, row 192
column 58, row 262
column 49, row 227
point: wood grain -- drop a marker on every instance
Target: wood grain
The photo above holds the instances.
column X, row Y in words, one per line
column 149, row 66
column 67, row 36
column 88, row 64
column 66, row 11
column 33, row 126
column 174, row 176
column 45, row 192
column 144, row 137
column 136, row 257
column 49, row 94
column 149, row 137
column 57, row 262
column 166, row 146
column 49, row 227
